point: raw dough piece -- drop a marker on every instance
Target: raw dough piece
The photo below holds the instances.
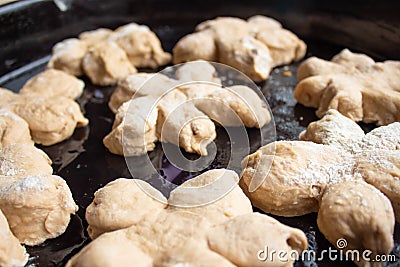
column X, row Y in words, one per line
column 106, row 63
column 36, row 204
column 134, row 128
column 141, row 45
column 197, row 71
column 95, row 37
column 292, row 176
column 133, row 202
column 140, row 84
column 111, row 249
column 180, row 123
column 333, row 129
column 13, row 129
column 254, row 46
column 23, row 159
column 177, row 236
column 107, row 56
column 218, row 184
column 229, row 239
column 145, row 84
column 235, row 106
column 12, row 254
column 53, row 83
column 350, row 208
column 353, row 84
column 381, row 168
column 338, row 130
column 377, row 152
column 37, row 207
column 67, row 56
column 126, row 89
column 126, row 213
column 384, row 137
column 359, row 213
column 51, row 120
column 7, row 98
column 184, row 109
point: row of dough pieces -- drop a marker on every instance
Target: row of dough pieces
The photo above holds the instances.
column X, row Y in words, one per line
column 46, row 104
column 340, row 176
column 254, row 47
column 353, row 84
column 151, row 108
column 34, row 204
column 323, row 84
column 38, row 206
column 327, row 178
column 328, row 85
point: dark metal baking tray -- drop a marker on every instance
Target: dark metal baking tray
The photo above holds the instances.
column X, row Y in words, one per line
column 28, row 30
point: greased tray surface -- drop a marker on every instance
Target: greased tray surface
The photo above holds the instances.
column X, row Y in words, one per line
column 86, row 165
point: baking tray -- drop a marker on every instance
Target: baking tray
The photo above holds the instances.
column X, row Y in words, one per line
column 84, row 162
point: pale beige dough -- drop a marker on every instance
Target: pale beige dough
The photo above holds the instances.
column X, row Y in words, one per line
column 353, row 84
column 126, row 89
column 229, row 239
column 283, row 45
column 134, row 128
column 53, row 83
column 197, row 71
column 218, row 189
column 51, row 120
column 235, row 106
column 254, row 46
column 23, row 159
column 384, row 137
column 111, row 249
column 51, row 117
column 37, row 207
column 94, row 37
column 288, row 178
column 346, row 173
column 337, row 130
column 140, row 84
column 146, row 84
column 36, row 204
column 333, row 129
column 13, row 129
column 130, row 196
column 107, row 56
column 109, row 211
column 381, row 168
column 106, row 63
column 67, row 56
column 12, row 254
column 141, row 45
column 376, row 153
column 359, row 213
column 7, row 98
column 177, row 236
column 185, row 109
column 180, row 123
